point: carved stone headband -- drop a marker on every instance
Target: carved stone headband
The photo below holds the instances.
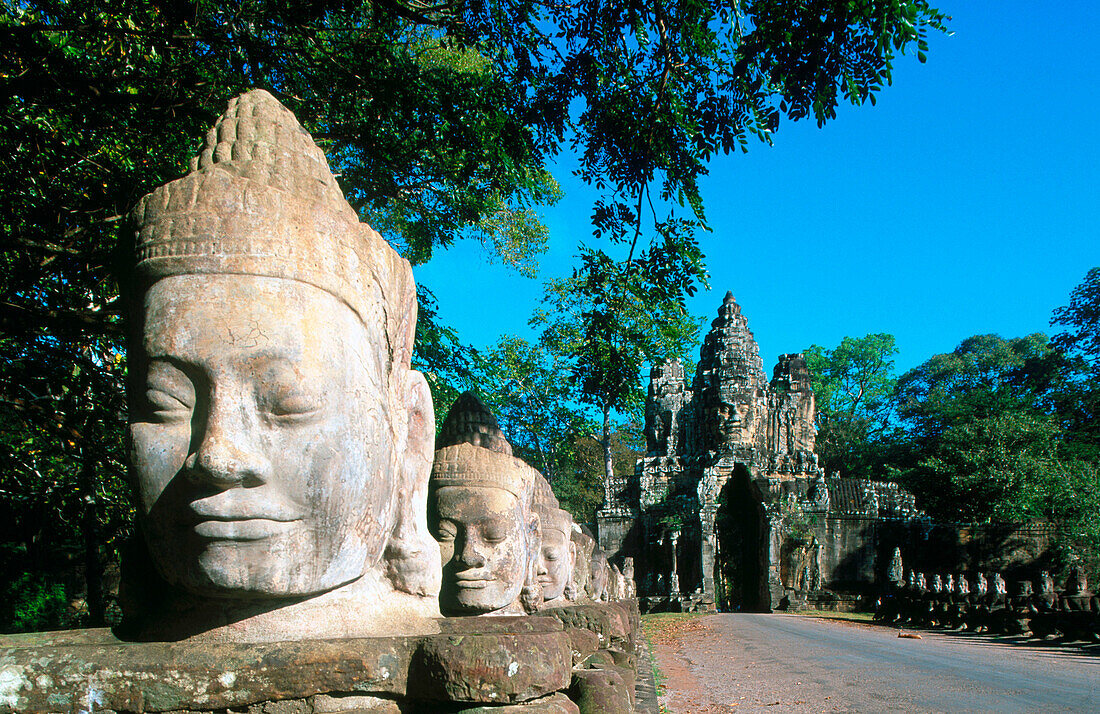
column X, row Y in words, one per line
column 473, row 466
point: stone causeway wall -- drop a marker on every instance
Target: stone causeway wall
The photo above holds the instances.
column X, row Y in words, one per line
column 582, row 658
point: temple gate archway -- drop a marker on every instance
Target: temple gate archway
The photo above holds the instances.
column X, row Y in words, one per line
column 741, row 561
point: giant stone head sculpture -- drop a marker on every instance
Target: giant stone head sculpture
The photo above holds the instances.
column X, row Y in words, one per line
column 280, row 441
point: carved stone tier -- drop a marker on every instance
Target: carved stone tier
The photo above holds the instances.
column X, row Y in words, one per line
column 477, row 662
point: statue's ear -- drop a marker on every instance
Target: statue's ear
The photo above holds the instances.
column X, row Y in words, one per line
column 534, row 540
column 416, row 398
column 412, row 556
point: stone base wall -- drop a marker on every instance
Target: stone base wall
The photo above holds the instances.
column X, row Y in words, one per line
column 581, row 658
column 613, row 533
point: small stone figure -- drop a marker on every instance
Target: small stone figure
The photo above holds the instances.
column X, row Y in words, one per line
column 628, row 576
column 599, row 577
column 616, row 586
column 959, row 610
column 481, row 502
column 1080, row 611
column 557, row 557
column 818, row 493
column 583, row 545
column 896, row 573
column 1077, row 595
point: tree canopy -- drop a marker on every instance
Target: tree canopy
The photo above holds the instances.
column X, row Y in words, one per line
column 854, row 391
column 1081, row 317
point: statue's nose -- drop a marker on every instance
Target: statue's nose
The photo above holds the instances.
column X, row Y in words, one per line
column 471, row 554
column 227, row 454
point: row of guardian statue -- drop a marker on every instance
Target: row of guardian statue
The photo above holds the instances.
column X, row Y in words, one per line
column 289, row 483
column 987, row 604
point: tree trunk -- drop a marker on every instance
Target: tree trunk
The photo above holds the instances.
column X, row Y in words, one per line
column 94, row 596
column 608, row 465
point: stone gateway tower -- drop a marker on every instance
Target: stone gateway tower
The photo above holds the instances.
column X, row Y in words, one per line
column 729, row 507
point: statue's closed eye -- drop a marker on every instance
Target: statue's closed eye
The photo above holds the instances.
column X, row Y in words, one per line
column 163, row 407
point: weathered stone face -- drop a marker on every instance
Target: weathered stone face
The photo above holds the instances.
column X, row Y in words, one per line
column 734, row 422
column 264, row 453
column 281, row 443
column 598, row 576
column 483, row 539
column 556, row 561
column 583, row 545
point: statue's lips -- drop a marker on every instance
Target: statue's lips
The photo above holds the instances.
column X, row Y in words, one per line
column 233, row 516
column 472, row 582
column 242, row 529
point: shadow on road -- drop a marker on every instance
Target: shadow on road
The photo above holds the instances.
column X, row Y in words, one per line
column 1087, row 651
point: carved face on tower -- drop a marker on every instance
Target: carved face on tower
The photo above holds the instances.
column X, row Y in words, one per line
column 274, row 419
column 480, row 512
column 734, row 420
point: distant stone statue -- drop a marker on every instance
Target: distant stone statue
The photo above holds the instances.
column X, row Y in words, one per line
column 896, row 573
column 628, row 576
column 819, row 493
column 599, row 576
column 583, row 545
column 481, row 510
column 616, row 588
column 281, row 442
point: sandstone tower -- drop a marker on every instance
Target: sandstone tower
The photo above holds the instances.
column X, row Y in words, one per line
column 730, row 471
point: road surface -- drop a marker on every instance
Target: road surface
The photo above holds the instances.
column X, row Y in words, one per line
column 718, row 664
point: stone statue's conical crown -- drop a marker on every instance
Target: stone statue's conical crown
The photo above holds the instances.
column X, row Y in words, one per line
column 472, row 451
column 261, row 200
column 470, row 422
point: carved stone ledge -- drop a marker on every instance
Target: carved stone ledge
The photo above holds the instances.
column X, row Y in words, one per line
column 475, row 660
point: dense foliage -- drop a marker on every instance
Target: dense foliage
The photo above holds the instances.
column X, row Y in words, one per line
column 854, row 389
column 996, row 430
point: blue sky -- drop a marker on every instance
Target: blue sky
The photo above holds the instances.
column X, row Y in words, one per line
column 965, row 202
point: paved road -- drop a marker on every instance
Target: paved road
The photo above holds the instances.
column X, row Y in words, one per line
column 792, row 663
